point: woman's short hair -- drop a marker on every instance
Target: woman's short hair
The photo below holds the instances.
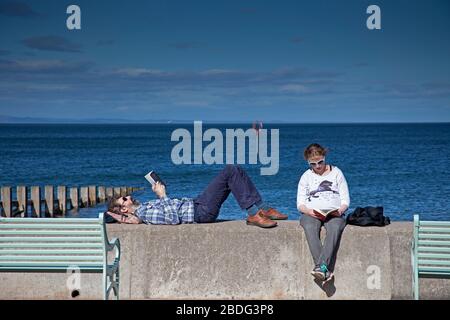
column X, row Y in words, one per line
column 314, row 150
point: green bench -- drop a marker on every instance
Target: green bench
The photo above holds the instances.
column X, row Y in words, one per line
column 59, row 245
column 430, row 253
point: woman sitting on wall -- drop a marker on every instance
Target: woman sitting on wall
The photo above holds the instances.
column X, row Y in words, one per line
column 323, row 198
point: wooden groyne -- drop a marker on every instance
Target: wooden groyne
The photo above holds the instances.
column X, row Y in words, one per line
column 49, row 201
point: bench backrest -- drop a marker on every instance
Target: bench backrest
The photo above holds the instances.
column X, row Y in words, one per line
column 432, row 246
column 52, row 243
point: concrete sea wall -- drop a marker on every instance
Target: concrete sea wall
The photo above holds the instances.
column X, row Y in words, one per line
column 230, row 260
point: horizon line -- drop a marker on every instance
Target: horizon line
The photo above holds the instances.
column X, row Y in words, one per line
column 218, row 122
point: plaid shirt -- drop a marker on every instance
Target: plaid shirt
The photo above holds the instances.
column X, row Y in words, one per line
column 167, row 211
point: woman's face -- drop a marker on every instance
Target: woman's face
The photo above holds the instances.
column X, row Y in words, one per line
column 317, row 163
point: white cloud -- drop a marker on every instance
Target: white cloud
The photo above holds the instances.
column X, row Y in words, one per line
column 294, row 88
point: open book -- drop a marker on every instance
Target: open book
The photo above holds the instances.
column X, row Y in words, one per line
column 152, row 177
column 322, row 214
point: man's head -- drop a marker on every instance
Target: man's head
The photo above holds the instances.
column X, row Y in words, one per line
column 122, row 205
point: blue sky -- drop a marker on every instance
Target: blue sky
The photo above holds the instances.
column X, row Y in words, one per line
column 296, row 61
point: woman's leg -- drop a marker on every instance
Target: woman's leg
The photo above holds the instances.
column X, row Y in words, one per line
column 335, row 226
column 312, row 231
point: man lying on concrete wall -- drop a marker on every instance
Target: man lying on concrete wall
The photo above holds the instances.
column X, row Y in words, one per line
column 202, row 209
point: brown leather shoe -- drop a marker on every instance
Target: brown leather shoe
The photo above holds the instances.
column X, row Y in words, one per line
column 274, row 214
column 260, row 220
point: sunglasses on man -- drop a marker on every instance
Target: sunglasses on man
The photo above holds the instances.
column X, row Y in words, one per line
column 125, row 199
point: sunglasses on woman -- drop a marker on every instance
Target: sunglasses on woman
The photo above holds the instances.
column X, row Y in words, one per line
column 318, row 163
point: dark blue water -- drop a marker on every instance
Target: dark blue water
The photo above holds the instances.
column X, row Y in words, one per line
column 403, row 167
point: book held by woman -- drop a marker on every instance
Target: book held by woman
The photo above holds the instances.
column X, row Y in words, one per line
column 322, row 214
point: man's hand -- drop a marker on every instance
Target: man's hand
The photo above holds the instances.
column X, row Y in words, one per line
column 159, row 189
column 125, row 218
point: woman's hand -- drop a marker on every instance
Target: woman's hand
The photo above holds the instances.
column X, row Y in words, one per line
column 313, row 214
column 308, row 211
column 340, row 211
column 159, row 189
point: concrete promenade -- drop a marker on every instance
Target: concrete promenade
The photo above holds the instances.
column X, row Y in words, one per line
column 230, row 260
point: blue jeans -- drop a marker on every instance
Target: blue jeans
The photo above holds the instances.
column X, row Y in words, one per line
column 231, row 179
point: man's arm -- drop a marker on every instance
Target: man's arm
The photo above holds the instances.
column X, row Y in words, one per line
column 125, row 218
column 168, row 205
column 164, row 210
column 159, row 189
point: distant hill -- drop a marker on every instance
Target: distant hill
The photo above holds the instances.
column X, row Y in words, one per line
column 8, row 119
column 37, row 120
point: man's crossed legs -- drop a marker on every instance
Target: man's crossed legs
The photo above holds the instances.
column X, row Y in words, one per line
column 235, row 180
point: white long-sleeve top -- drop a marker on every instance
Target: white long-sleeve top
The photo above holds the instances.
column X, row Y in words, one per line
column 324, row 192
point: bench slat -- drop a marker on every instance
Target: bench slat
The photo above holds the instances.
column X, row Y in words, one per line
column 52, row 251
column 434, row 229
column 433, row 242
column 434, row 262
column 441, row 270
column 51, row 239
column 49, row 226
column 434, row 236
column 434, row 223
column 49, row 232
column 435, row 273
column 50, row 220
column 434, row 256
column 43, row 264
column 50, row 258
column 15, row 268
column 433, row 249
column 52, row 245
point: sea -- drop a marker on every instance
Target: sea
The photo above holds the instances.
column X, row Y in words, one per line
column 402, row 167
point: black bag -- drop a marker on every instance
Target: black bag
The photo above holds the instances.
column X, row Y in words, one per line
column 368, row 216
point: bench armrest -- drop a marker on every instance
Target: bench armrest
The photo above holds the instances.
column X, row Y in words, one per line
column 114, row 243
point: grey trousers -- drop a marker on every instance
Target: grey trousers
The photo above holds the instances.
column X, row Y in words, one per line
column 323, row 253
